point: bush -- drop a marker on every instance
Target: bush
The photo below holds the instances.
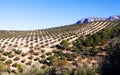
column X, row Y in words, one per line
column 36, row 53
column 19, row 67
column 1, row 51
column 18, row 51
column 43, row 51
column 43, row 56
column 42, row 61
column 30, row 57
column 8, row 62
column 2, row 59
column 49, row 53
column 31, row 51
column 37, row 58
column 26, row 45
column 23, row 60
column 3, row 46
column 16, row 58
column 3, row 68
column 34, row 70
column 10, row 56
column 15, row 45
column 84, row 71
column 29, row 63
column 14, row 65
column 6, row 53
column 23, row 54
column 65, row 44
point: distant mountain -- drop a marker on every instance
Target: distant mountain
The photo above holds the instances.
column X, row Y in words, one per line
column 112, row 18
column 92, row 19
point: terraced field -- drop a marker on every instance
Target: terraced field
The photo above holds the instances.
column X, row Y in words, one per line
column 27, row 47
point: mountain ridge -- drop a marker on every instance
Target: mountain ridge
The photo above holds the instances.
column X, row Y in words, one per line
column 92, row 19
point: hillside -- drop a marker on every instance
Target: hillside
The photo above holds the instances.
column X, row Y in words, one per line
column 69, row 46
column 49, row 37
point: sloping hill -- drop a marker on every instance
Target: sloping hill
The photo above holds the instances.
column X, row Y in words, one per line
column 38, row 39
column 29, row 47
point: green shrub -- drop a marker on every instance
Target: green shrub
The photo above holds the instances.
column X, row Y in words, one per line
column 29, row 63
column 10, row 56
column 43, row 56
column 6, row 53
column 65, row 44
column 3, row 68
column 15, row 45
column 23, row 54
column 16, row 58
column 1, row 51
column 37, row 58
column 43, row 51
column 36, row 53
column 18, row 51
column 49, row 53
column 31, row 51
column 2, row 59
column 23, row 60
column 30, row 57
column 14, row 65
column 84, row 71
column 8, row 62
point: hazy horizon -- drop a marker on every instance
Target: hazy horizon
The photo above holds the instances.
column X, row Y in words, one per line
column 42, row 14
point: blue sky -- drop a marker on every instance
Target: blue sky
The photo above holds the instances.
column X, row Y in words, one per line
column 39, row 14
